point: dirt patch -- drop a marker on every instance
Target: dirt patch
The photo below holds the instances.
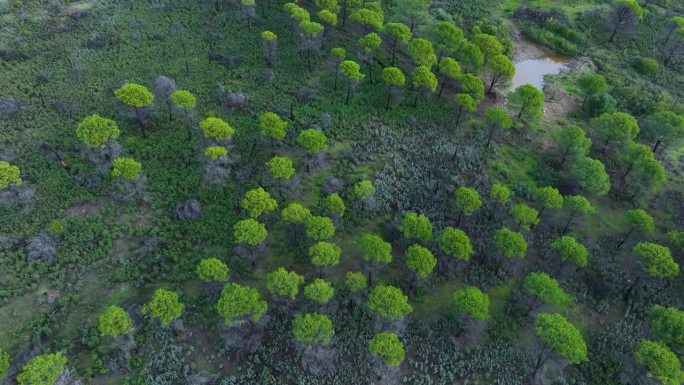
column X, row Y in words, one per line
column 558, row 102
column 82, row 210
column 525, row 49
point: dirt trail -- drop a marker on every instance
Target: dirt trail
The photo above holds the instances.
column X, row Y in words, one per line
column 525, row 49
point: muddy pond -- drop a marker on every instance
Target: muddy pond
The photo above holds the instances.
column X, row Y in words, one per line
column 532, row 71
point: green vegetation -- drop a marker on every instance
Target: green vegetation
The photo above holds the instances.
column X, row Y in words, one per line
column 341, row 191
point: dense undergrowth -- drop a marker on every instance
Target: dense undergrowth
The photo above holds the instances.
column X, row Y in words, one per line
column 74, row 246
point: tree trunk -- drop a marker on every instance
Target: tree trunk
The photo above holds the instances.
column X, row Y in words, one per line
column 655, row 148
column 187, row 124
column 458, row 116
column 624, row 239
column 629, row 291
column 540, row 362
column 348, row 91
column 389, row 96
column 585, row 100
column 394, row 49
column 565, row 154
column 567, row 224
column 613, row 34
column 489, row 138
column 629, row 168
column 415, row 100
column 441, row 88
column 140, row 121
column 491, row 85
column 344, row 13
column 337, row 71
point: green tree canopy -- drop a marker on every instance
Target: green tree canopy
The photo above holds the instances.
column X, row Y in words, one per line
column 667, row 324
column 325, row 254
column 183, row 100
column 473, row 302
column 312, row 329
column 369, row 42
column 423, row 78
column 641, row 220
column 284, row 283
column 258, row 201
column 389, row 302
column 396, row 33
column 570, row 250
column 115, row 321
column 165, row 305
column 422, row 52
column 9, row 175
column 327, row 17
column 549, row 197
column 368, row 18
column 215, row 152
column 127, row 168
column 134, row 95
column 501, row 70
column 374, row 249
column 509, row 243
column 455, row 243
column 446, row 37
column 96, row 131
column 272, row 126
column 497, row 118
column 546, row 288
column 216, row 128
column 319, row 291
column 420, row 260
column 524, row 215
column 656, row 260
column 616, row 127
column 578, row 203
column 488, row 44
column 351, row 70
column 212, row 269
column 500, row 193
column 249, row 231
column 473, row 86
column 4, row 363
column 238, row 304
column 393, row 77
column 355, row 281
column 42, row 370
column 528, row 101
column 319, row 228
column 471, row 57
column 591, row 84
column 676, row 238
column 592, row 176
column 281, row 167
column 416, row 226
column 663, row 127
column 335, row 204
column 449, row 68
column 313, row 141
column 364, row 189
column 661, row 362
column 468, row 200
column 572, row 141
column 388, row 347
column 295, row 213
column 562, row 336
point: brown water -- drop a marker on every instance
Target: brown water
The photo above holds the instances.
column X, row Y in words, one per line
column 532, row 71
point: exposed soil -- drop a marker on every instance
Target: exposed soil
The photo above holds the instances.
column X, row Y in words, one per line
column 82, row 210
